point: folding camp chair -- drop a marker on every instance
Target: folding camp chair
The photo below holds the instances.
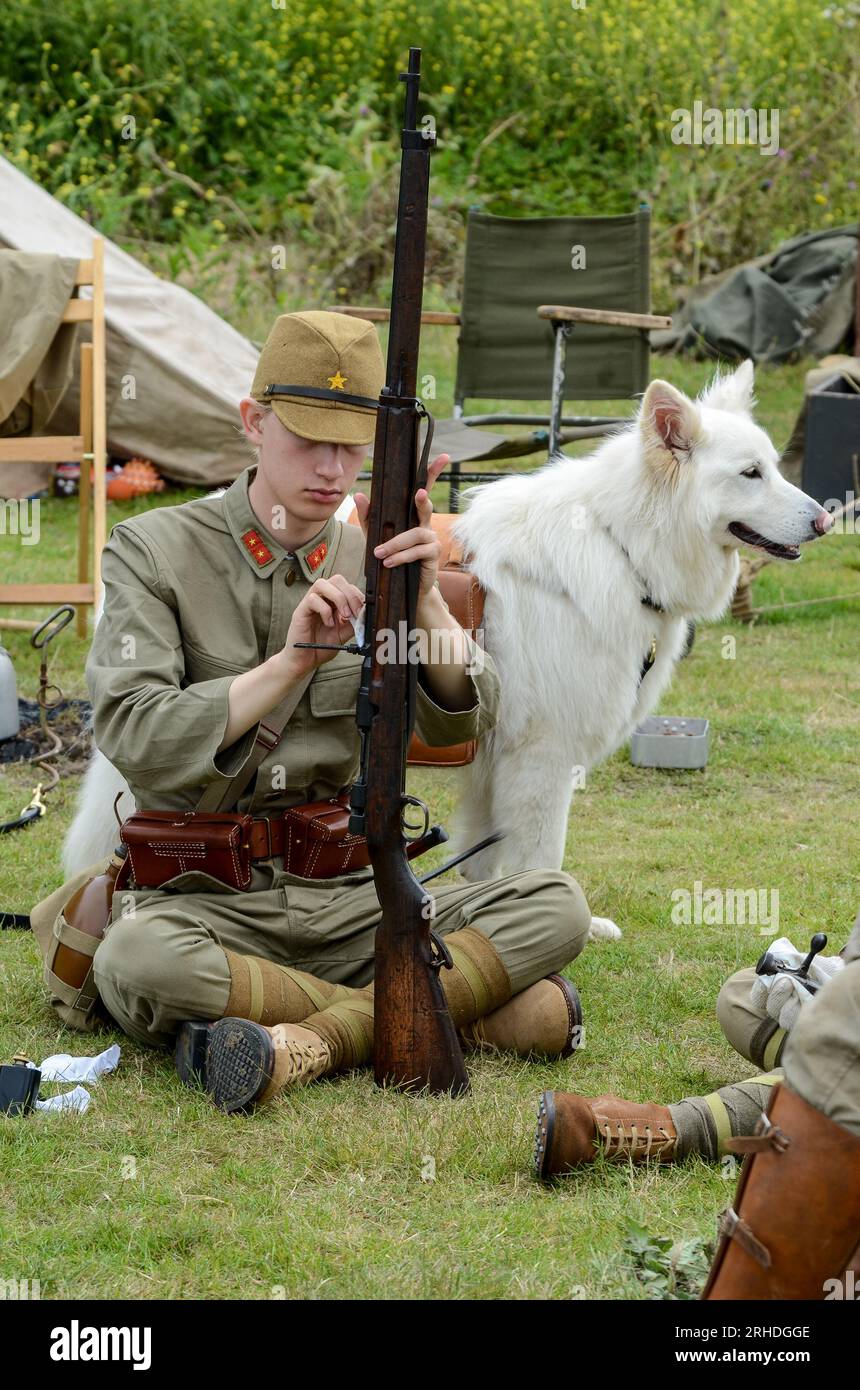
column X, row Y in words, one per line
column 87, row 447
column 516, row 324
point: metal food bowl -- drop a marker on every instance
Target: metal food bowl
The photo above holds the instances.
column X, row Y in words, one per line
column 670, row 741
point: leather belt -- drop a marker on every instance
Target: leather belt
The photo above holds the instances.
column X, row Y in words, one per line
column 267, row 837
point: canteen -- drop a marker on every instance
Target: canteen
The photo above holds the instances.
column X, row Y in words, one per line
column 10, row 723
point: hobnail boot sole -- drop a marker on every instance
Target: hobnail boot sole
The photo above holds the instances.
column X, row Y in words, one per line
column 574, row 1013
column 240, row 1059
column 544, row 1136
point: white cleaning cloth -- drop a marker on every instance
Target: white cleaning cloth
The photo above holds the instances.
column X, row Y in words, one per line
column 62, row 1067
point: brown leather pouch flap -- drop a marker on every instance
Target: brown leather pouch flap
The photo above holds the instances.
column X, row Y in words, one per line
column 318, row 842
column 164, row 844
column 455, row 755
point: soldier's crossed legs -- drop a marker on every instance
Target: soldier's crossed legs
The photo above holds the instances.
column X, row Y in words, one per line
column 162, row 960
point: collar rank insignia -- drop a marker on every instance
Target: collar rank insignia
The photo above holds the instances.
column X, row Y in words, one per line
column 257, row 547
column 337, row 382
column 316, row 556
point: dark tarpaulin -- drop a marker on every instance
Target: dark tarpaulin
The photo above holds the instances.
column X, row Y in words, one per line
column 799, row 300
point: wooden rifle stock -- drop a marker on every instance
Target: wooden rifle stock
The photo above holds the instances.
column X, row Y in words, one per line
column 416, row 1043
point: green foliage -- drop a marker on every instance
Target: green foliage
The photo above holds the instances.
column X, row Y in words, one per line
column 666, row 1268
column 277, row 121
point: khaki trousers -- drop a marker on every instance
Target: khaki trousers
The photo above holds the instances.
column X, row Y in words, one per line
column 160, row 961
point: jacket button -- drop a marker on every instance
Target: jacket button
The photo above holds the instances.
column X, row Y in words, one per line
column 290, row 577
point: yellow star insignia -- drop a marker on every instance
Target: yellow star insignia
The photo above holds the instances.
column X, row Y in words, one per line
column 337, row 382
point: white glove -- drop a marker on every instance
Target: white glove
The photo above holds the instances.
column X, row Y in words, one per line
column 783, row 996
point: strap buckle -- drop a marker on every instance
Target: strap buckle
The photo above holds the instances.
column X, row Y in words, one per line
column 733, row 1227
column 35, row 803
column 267, row 822
column 273, row 739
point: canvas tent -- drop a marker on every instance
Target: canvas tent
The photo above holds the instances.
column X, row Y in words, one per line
column 175, row 370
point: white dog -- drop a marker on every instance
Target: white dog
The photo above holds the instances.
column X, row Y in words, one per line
column 593, row 570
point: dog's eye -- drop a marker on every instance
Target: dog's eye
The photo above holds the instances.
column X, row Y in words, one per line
column 751, row 473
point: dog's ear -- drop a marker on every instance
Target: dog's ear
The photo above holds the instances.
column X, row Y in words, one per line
column 670, row 426
column 733, row 392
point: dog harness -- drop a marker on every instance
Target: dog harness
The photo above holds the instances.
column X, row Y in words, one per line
column 647, row 601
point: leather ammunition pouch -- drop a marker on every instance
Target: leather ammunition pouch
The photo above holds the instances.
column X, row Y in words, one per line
column 314, row 839
column 163, row 844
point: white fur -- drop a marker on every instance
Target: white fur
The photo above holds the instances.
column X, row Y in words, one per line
column 93, row 832
column 563, row 617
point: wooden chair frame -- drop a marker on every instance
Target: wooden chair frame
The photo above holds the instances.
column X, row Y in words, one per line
column 88, row 447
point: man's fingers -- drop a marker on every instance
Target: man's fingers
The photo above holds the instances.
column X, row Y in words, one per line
column 317, row 604
column 340, row 593
column 418, row 535
column 428, row 551
column 439, row 464
column 423, row 506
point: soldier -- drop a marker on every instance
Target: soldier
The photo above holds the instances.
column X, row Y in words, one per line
column 195, row 647
column 793, row 1231
column 572, row 1129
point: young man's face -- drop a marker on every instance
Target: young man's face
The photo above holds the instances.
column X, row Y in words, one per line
column 307, row 478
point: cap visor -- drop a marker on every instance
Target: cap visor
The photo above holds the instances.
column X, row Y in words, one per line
column 328, row 423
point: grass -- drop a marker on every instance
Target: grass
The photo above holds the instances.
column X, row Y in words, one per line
column 329, row 1193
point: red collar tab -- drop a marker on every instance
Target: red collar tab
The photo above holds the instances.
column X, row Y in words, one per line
column 316, row 556
column 257, row 548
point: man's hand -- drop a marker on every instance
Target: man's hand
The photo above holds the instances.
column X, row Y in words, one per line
column 322, row 616
column 446, row 673
column 419, row 542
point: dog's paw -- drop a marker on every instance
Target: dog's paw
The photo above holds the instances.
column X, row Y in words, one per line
column 602, row 929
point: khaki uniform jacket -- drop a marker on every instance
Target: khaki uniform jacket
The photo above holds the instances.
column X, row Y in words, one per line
column 195, row 595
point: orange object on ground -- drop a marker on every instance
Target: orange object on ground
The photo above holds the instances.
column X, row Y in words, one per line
column 137, row 477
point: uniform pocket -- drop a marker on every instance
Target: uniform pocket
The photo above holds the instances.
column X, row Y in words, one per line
column 202, row 666
column 330, row 920
column 334, row 688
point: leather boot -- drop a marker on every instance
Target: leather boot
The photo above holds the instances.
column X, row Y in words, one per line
column 544, row 1020
column 796, row 1216
column 262, row 991
column 247, row 1063
column 573, row 1130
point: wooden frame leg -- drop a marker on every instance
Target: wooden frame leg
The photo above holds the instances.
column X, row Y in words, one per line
column 99, row 399
column 85, row 484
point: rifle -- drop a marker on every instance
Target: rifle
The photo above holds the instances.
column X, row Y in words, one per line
column 416, row 1043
